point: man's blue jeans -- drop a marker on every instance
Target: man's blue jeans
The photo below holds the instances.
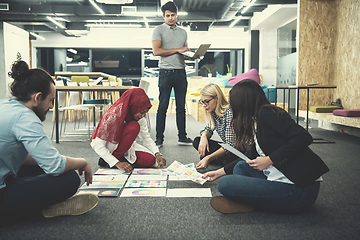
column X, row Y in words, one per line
column 169, row 79
column 251, row 186
column 32, row 190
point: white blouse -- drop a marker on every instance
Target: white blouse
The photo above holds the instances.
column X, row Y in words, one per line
column 105, row 149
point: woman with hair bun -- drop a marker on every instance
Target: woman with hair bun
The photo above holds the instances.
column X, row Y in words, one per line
column 218, row 117
column 34, row 176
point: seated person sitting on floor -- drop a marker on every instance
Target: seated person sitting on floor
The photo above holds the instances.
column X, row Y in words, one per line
column 283, row 173
column 34, row 176
column 114, row 137
column 218, row 116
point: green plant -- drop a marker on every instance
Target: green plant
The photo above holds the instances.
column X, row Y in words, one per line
column 209, row 70
column 229, row 68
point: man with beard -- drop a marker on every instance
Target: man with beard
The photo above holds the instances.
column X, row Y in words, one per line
column 34, row 176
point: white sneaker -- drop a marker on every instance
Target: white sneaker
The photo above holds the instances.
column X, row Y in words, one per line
column 76, row 205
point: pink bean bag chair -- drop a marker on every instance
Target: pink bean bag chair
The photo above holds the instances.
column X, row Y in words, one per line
column 252, row 74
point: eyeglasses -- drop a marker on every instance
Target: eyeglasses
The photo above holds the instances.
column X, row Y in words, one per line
column 205, row 102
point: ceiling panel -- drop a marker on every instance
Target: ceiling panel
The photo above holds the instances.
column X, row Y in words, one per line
column 31, row 14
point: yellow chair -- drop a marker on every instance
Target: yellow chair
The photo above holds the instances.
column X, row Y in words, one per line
column 79, row 79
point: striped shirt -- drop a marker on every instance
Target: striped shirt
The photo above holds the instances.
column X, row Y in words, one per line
column 223, row 128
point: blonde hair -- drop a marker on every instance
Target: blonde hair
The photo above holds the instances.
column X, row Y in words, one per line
column 213, row 90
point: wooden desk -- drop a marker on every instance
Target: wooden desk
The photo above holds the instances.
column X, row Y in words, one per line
column 307, row 101
column 120, row 89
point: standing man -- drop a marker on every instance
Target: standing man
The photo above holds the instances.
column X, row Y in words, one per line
column 34, row 176
column 168, row 41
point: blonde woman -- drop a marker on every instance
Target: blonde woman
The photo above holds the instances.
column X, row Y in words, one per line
column 218, row 117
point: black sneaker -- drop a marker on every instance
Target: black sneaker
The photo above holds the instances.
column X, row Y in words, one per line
column 159, row 142
column 185, row 141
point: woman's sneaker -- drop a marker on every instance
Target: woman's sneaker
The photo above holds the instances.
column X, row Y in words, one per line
column 76, row 205
column 185, row 141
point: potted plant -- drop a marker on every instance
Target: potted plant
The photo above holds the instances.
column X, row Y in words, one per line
column 229, row 70
column 209, row 71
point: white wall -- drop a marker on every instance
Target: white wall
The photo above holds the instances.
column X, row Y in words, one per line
column 16, row 41
column 268, row 55
column 220, row 38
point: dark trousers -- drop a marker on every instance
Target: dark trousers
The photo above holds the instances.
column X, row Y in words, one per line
column 213, row 147
column 32, row 190
column 169, row 79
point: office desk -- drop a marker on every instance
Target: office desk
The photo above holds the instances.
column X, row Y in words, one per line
column 90, row 74
column 120, row 89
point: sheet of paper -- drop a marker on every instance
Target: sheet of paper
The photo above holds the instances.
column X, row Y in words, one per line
column 111, row 171
column 104, row 184
column 234, row 151
column 179, row 169
column 189, row 192
column 178, row 178
column 106, row 177
column 146, row 171
column 147, row 177
column 145, row 184
column 143, row 192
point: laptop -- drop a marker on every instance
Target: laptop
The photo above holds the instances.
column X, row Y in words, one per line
column 200, row 51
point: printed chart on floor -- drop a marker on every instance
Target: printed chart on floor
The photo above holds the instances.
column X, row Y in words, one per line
column 104, row 184
column 143, row 192
column 109, row 193
column 145, row 184
column 148, row 177
column 106, row 177
column 189, row 171
column 189, row 192
column 147, row 171
column 111, row 171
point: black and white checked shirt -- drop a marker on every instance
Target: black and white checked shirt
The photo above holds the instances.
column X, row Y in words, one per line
column 223, row 128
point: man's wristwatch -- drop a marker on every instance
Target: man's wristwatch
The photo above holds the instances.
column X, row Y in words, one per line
column 157, row 154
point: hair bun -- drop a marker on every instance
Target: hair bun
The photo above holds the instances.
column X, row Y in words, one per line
column 19, row 70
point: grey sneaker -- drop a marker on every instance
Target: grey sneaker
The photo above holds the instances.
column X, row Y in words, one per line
column 185, row 141
column 159, row 142
column 76, row 205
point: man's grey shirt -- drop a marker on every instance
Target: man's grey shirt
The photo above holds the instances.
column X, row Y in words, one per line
column 171, row 38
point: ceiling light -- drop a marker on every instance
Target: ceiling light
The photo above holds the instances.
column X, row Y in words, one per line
column 37, row 36
column 113, row 25
column 115, row 1
column 149, row 14
column 97, row 7
column 146, row 22
column 236, row 20
column 72, row 51
column 248, row 6
column 55, row 22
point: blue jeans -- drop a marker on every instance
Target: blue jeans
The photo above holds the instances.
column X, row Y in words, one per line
column 169, row 79
column 251, row 186
column 32, row 190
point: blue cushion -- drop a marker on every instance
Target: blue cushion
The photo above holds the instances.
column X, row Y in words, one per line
column 97, row 101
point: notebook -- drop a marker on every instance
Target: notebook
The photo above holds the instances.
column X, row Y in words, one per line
column 200, row 51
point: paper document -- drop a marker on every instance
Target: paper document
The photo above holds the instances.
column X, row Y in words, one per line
column 200, row 51
column 234, row 151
